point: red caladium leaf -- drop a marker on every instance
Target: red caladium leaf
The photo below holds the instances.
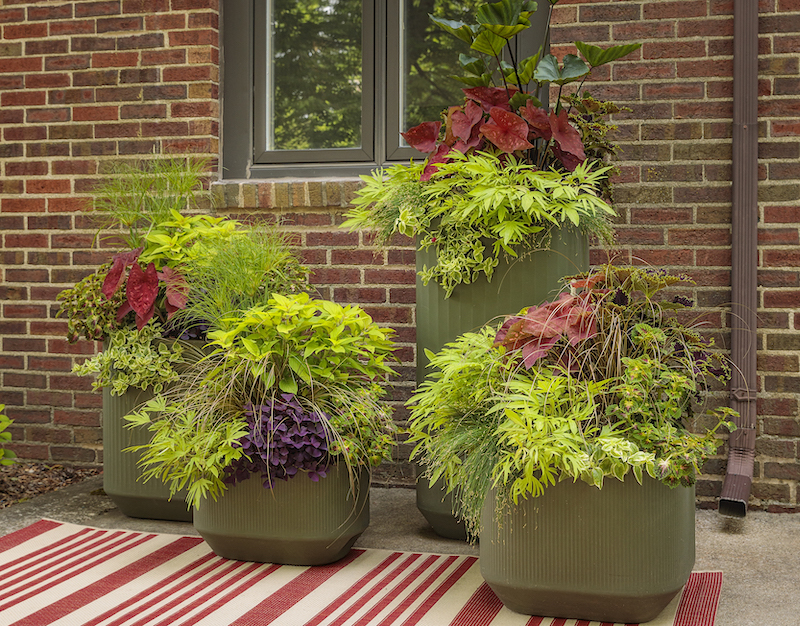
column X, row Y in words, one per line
column 142, row 291
column 115, row 275
column 569, row 161
column 537, row 119
column 141, row 320
column 465, row 121
column 123, row 310
column 440, row 156
column 507, row 131
column 449, row 137
column 177, row 290
column 423, row 137
column 489, row 97
column 567, row 136
column 535, row 349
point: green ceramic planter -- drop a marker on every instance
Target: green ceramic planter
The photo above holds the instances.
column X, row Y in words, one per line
column 297, row 522
column 121, row 475
column 619, row 554
column 515, row 285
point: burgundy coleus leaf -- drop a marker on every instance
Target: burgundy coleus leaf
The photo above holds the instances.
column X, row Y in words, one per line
column 537, row 119
column 489, row 97
column 440, row 156
column 567, row 136
column 115, row 275
column 507, row 131
column 424, row 136
column 142, row 291
column 177, row 290
column 464, row 122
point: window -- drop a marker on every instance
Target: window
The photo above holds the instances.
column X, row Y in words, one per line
column 324, row 87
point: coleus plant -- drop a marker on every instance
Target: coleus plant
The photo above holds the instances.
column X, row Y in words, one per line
column 502, row 111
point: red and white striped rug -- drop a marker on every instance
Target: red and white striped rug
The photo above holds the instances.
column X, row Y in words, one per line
column 55, row 573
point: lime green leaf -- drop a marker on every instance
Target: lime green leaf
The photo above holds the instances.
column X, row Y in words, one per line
column 596, row 56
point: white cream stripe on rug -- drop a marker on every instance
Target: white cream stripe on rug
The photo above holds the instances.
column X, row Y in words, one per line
column 67, row 575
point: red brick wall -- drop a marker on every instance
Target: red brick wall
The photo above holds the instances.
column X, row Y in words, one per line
column 82, row 83
column 67, row 106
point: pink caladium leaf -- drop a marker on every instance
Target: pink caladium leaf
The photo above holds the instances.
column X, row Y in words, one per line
column 142, row 291
column 423, row 137
column 537, row 119
column 440, row 156
column 535, row 349
column 115, row 275
column 465, row 121
column 177, row 290
column 567, row 137
column 507, row 131
column 489, row 97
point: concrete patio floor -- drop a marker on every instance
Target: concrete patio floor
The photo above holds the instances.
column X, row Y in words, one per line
column 759, row 555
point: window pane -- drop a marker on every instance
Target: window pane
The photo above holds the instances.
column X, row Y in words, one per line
column 314, row 83
column 430, row 57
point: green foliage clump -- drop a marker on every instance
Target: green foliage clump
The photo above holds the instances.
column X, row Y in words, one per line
column 239, row 273
column 134, row 358
column 478, row 199
column 6, row 456
column 600, row 382
column 331, row 358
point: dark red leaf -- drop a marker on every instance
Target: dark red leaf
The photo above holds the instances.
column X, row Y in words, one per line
column 507, row 131
column 440, row 156
column 537, row 119
column 465, row 121
column 142, row 289
column 114, row 277
column 177, row 290
column 141, row 320
column 123, row 310
column 567, row 136
column 424, row 136
column 536, row 349
column 489, row 97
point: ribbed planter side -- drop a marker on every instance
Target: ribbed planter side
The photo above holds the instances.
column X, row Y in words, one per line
column 516, row 284
column 121, row 476
column 619, row 554
column 297, row 522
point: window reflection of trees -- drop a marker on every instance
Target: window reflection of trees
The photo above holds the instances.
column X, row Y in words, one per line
column 316, row 61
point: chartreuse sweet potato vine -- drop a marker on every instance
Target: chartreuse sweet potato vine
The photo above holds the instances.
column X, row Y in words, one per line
column 471, row 200
column 595, row 384
column 328, row 358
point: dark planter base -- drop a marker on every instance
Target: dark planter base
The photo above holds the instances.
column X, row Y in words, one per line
column 297, row 522
column 436, row 506
column 122, row 477
column 619, row 554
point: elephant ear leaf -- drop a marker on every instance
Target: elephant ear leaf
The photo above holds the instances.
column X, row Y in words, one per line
column 549, row 71
column 488, row 43
column 507, row 17
column 460, row 30
column 596, row 56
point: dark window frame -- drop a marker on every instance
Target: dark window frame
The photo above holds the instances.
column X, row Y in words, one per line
column 242, row 156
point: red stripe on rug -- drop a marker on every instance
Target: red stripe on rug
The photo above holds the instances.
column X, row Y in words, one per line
column 534, row 621
column 12, row 540
column 222, row 601
column 431, row 600
column 81, row 561
column 194, row 597
column 62, row 548
column 125, row 606
column 368, row 594
column 404, row 584
column 700, row 599
column 92, row 592
column 480, row 609
column 289, row 595
column 353, row 590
